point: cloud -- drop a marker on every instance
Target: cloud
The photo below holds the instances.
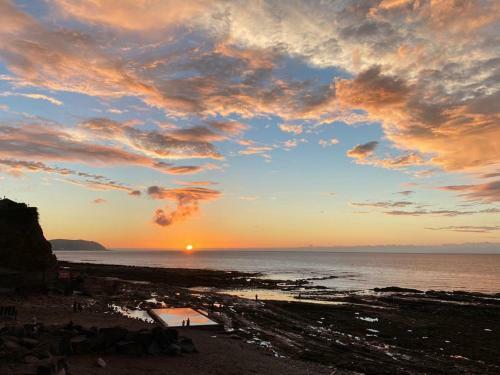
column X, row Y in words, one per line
column 328, row 142
column 406, row 193
column 196, row 183
column 487, row 192
column 99, row 201
column 449, row 213
column 249, row 198
column 33, row 96
column 290, row 128
column 362, row 151
column 257, row 150
column 469, row 228
column 50, row 143
column 491, row 175
column 18, row 166
column 232, row 128
column 288, row 145
column 219, row 79
column 186, row 143
column 186, row 199
column 437, row 127
column 155, row 14
column 365, row 154
column 384, row 204
column 419, row 209
column 101, row 185
column 91, row 181
column 179, row 169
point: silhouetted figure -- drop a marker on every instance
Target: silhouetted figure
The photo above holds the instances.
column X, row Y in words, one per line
column 183, row 323
column 256, row 297
column 188, row 323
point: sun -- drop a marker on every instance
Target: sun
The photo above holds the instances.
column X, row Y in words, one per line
column 189, row 247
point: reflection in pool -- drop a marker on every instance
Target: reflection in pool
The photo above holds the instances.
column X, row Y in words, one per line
column 173, row 317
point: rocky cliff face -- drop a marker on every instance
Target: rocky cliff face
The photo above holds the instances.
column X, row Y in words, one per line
column 23, row 246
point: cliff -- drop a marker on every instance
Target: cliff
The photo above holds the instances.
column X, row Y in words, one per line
column 23, row 247
column 62, row 244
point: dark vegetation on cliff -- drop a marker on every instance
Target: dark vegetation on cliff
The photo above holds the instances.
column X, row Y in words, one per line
column 63, row 244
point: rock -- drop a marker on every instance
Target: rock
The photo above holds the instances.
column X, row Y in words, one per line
column 144, row 337
column 187, row 345
column 164, row 337
column 12, row 346
column 80, row 344
column 112, row 335
column 29, row 342
column 173, row 349
column 23, row 247
column 129, row 347
column 25, row 370
column 154, row 348
column 31, row 359
column 101, row 362
column 61, row 346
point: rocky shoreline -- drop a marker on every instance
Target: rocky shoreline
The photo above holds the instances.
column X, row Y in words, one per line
column 385, row 331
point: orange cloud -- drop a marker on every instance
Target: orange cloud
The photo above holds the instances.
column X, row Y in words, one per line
column 186, row 199
column 290, row 128
column 154, row 14
column 437, row 128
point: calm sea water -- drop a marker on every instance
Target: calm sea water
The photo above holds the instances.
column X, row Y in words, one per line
column 355, row 271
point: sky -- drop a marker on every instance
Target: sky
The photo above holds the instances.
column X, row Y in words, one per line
column 229, row 124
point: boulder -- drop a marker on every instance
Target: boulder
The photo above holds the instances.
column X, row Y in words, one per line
column 154, row 348
column 101, row 362
column 29, row 342
column 111, row 336
column 129, row 348
column 173, row 349
column 80, row 344
column 187, row 345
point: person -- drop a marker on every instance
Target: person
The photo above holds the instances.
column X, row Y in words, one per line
column 183, row 323
column 188, row 322
column 256, row 297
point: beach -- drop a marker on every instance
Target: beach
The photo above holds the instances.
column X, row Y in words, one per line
column 390, row 330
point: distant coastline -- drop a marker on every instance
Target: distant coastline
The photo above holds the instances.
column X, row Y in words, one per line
column 460, row 248
column 76, row 245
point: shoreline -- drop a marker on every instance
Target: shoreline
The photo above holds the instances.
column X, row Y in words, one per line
column 391, row 330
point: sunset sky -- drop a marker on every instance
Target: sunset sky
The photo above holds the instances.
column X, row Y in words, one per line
column 154, row 124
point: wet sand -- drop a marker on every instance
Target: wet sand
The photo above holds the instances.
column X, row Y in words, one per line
column 386, row 331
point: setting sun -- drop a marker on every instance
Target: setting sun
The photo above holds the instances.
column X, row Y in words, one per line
column 189, row 247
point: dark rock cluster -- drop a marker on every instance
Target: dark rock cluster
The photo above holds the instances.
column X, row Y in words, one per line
column 39, row 349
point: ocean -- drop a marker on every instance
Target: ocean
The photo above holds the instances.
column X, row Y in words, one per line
column 353, row 271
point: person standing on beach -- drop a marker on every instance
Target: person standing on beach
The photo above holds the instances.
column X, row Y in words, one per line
column 188, row 322
column 256, row 297
column 183, row 323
